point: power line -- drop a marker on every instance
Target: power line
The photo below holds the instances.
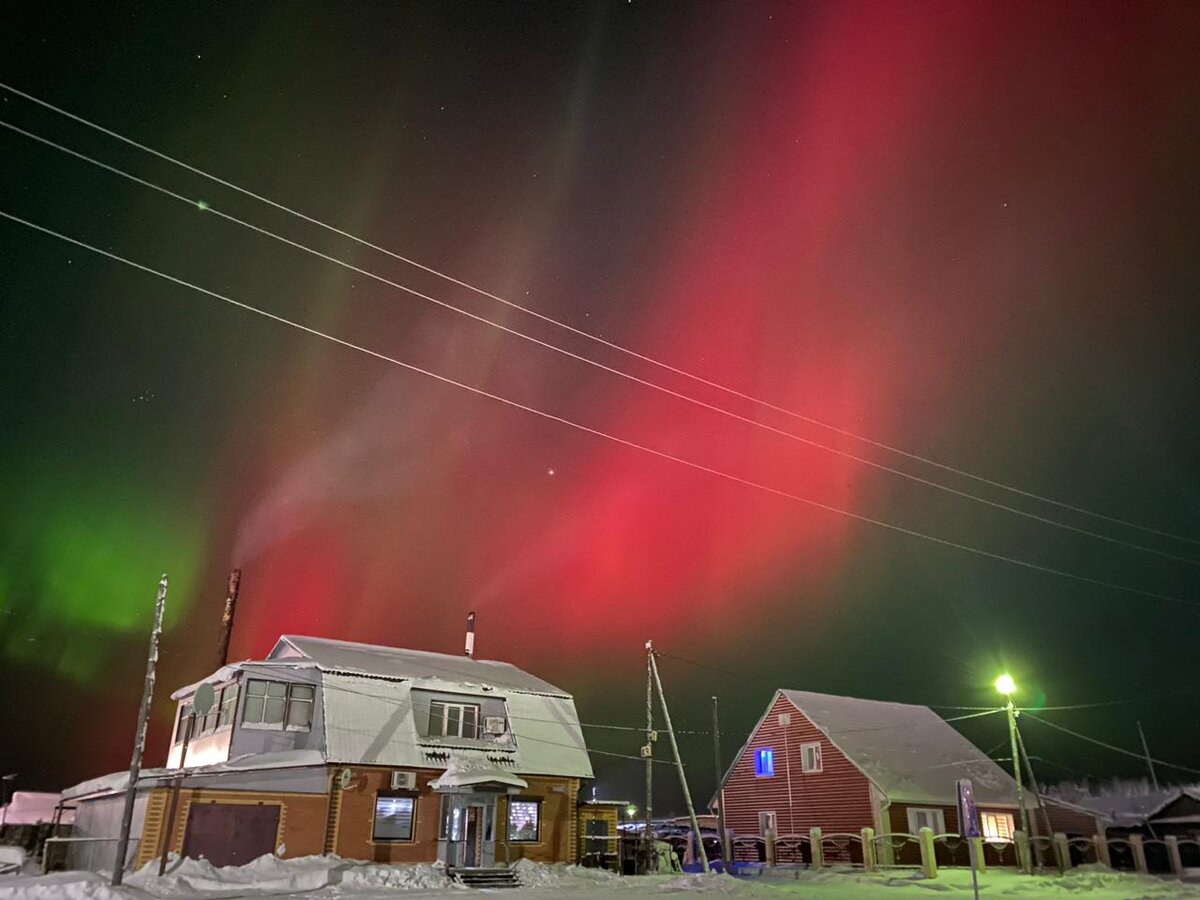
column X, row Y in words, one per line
column 1083, row 737
column 1041, row 709
column 737, row 479
column 212, row 210
column 659, row 364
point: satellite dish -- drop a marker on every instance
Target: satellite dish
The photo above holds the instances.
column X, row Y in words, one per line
column 203, row 699
column 345, row 779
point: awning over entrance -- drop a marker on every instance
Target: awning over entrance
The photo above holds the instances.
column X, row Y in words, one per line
column 462, row 775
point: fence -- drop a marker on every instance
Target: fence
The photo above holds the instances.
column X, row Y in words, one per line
column 927, row 851
column 93, row 854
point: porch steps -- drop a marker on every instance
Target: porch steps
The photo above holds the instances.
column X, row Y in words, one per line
column 498, row 877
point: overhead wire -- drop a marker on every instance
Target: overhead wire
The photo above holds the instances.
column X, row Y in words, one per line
column 615, row 346
column 700, row 467
column 1113, row 747
column 211, row 209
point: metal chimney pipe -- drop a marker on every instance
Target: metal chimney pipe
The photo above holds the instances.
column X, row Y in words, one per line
column 470, row 651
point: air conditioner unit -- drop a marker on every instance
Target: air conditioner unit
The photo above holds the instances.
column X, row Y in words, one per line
column 494, row 725
column 404, row 781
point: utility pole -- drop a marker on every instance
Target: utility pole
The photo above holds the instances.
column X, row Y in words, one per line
column 231, row 598
column 139, row 743
column 648, row 752
column 687, row 795
column 1149, row 761
column 1037, row 793
column 1011, row 710
column 720, row 774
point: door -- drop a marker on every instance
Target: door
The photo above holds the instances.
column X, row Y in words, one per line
column 471, row 848
column 767, row 822
column 230, row 834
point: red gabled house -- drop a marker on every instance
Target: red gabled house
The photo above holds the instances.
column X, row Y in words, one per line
column 842, row 764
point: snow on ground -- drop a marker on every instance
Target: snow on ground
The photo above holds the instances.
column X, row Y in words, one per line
column 330, row 878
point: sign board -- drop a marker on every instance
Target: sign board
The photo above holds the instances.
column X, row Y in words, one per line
column 968, row 815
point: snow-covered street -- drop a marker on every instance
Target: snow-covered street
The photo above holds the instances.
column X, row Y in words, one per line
column 321, row 878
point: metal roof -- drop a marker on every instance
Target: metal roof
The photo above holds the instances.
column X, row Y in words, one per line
column 910, row 752
column 394, row 662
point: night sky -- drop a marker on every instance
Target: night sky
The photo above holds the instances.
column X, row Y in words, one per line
column 964, row 229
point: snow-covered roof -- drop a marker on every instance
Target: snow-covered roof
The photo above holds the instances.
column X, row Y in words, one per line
column 394, row 662
column 910, row 752
column 473, row 773
column 370, row 721
column 250, row 762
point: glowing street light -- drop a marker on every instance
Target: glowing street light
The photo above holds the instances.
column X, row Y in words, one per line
column 1006, row 686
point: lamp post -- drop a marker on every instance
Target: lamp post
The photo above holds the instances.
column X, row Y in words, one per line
column 1006, row 686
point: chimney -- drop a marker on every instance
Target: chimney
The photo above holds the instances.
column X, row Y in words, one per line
column 470, row 651
column 231, row 597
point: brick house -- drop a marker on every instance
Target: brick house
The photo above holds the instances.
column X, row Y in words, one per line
column 842, row 764
column 369, row 752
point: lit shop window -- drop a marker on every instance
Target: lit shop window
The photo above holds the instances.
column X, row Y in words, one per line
column 524, row 820
column 393, row 818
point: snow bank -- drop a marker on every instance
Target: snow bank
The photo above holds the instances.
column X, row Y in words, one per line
column 63, row 886
column 559, row 875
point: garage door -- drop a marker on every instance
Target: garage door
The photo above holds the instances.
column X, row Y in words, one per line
column 230, row 834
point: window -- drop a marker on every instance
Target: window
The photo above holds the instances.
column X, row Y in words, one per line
column 271, row 704
column 185, row 710
column 393, row 817
column 767, row 821
column 228, row 706
column 764, row 762
column 926, row 818
column 997, row 826
column 810, row 757
column 453, row 719
column 524, row 820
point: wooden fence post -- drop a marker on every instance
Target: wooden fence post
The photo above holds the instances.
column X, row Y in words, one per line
column 818, row 849
column 772, row 858
column 1102, row 856
column 1139, row 853
column 1062, row 852
column 928, row 859
column 1021, row 839
column 1173, row 852
column 980, row 859
column 868, row 845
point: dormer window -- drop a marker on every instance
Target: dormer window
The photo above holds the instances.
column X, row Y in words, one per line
column 276, row 704
column 453, row 719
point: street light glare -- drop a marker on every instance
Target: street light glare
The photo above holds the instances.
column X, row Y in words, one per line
column 1005, row 684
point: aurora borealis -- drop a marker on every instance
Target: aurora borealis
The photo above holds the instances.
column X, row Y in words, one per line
column 963, row 229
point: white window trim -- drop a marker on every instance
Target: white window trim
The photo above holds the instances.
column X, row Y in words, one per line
column 445, row 722
column 938, row 814
column 819, row 767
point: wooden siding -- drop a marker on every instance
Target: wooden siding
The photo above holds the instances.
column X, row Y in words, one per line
column 952, row 852
column 836, row 799
column 1071, row 822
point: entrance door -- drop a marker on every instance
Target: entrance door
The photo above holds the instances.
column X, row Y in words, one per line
column 230, row 834
column 471, row 848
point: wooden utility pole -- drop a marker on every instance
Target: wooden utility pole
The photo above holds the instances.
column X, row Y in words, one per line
column 687, row 795
column 1035, row 848
column 189, row 725
column 139, row 742
column 648, row 752
column 725, row 856
column 231, row 598
column 1011, row 711
column 1149, row 761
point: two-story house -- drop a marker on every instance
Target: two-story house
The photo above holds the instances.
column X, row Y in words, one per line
column 368, row 752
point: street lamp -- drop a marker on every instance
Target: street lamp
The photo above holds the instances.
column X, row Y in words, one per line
column 1006, row 686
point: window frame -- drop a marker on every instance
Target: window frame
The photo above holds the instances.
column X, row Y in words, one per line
column 996, row 838
column 764, row 762
column 536, row 802
column 818, row 754
column 288, row 700
column 446, row 707
column 412, row 798
column 938, row 813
